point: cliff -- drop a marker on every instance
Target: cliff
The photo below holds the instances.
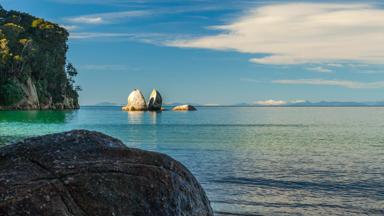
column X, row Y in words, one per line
column 34, row 73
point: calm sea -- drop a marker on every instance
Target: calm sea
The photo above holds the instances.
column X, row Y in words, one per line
column 251, row 161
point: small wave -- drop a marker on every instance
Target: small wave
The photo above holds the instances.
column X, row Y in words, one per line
column 298, row 205
column 223, row 213
column 361, row 188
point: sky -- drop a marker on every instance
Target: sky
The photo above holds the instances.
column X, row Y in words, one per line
column 219, row 51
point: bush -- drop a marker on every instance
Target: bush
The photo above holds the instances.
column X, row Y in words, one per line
column 10, row 93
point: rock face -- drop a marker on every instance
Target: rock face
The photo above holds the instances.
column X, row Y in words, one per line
column 33, row 64
column 184, row 108
column 31, row 98
column 88, row 173
column 31, row 101
column 136, row 102
column 155, row 101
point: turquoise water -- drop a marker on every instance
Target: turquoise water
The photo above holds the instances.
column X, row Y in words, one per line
column 250, row 161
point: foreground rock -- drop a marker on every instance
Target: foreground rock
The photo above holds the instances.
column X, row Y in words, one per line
column 88, row 173
column 155, row 101
column 184, row 108
column 136, row 102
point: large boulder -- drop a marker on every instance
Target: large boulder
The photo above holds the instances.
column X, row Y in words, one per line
column 155, row 101
column 88, row 173
column 136, row 102
column 184, row 108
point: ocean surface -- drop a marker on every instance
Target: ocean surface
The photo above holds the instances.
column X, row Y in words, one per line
column 250, row 161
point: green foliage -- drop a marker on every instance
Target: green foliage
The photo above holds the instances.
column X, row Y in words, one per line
column 10, row 93
column 71, row 70
column 33, row 48
column 36, row 23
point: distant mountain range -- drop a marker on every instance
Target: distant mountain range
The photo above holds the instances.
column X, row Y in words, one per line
column 273, row 103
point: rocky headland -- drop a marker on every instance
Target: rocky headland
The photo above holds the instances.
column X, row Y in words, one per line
column 34, row 72
column 88, row 173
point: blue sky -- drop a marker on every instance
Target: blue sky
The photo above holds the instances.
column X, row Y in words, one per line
column 222, row 52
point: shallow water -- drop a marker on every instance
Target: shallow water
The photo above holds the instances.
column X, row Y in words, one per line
column 250, row 161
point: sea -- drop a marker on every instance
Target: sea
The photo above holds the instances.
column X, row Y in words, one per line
column 249, row 160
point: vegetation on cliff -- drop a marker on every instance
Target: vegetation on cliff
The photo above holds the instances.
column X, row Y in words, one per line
column 34, row 73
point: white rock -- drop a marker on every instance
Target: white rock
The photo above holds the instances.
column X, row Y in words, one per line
column 185, row 107
column 136, row 102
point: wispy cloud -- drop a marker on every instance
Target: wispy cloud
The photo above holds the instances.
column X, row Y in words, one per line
column 148, row 10
column 151, row 38
column 144, row 37
column 340, row 83
column 250, row 80
column 103, row 18
column 299, row 33
column 91, row 35
column 335, row 65
column 70, row 27
column 106, row 67
column 271, row 102
column 320, row 69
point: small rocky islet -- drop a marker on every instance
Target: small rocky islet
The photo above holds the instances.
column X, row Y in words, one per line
column 136, row 102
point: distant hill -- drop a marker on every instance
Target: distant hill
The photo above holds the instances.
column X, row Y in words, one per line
column 311, row 104
column 34, row 72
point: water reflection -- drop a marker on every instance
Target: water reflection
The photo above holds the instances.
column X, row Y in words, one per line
column 37, row 116
column 155, row 117
column 135, row 117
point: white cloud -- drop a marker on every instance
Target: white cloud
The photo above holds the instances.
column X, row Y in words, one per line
column 86, row 20
column 298, row 101
column 271, row 103
column 103, row 18
column 335, row 65
column 145, row 37
column 90, row 35
column 152, row 38
column 340, row 83
column 299, row 33
column 69, row 27
column 106, row 67
column 320, row 69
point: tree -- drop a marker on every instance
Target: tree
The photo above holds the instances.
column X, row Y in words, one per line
column 34, row 49
column 71, row 70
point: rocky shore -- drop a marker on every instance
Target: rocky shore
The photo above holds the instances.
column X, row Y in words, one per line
column 88, row 173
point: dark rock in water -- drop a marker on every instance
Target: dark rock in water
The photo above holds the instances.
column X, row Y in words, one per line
column 88, row 173
column 155, row 101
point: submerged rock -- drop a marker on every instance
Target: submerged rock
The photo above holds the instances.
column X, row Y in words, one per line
column 89, row 173
column 155, row 101
column 136, row 102
column 184, row 108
